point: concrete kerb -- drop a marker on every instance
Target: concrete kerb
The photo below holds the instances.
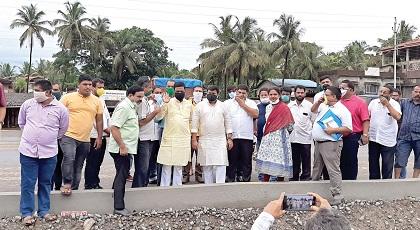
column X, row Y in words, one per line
column 237, row 195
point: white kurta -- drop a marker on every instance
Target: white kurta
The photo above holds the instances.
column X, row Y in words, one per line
column 212, row 123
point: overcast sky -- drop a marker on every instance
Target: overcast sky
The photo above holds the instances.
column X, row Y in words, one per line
column 183, row 24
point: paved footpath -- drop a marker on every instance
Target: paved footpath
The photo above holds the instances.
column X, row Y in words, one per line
column 10, row 167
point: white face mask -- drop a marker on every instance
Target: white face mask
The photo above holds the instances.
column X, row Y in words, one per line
column 265, row 100
column 275, row 102
column 198, row 96
column 343, row 92
column 40, row 97
column 232, row 95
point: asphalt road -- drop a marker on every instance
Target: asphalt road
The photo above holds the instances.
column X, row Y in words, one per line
column 10, row 167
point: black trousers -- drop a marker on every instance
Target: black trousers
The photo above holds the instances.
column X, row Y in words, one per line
column 57, row 178
column 240, row 161
column 122, row 166
column 93, row 163
column 348, row 161
column 377, row 151
column 155, row 169
column 301, row 155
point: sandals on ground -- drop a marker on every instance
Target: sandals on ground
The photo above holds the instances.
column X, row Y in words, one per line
column 28, row 220
column 50, row 217
column 65, row 190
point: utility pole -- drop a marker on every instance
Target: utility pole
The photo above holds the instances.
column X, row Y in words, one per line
column 395, row 52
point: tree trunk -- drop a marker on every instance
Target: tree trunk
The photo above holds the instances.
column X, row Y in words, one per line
column 286, row 60
column 30, row 63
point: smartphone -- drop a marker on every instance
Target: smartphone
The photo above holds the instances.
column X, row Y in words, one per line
column 298, row 202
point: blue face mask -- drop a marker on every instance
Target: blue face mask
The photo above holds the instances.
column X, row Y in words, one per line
column 232, row 95
column 158, row 98
column 285, row 98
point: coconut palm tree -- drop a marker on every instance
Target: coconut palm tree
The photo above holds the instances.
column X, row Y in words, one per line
column 286, row 42
column 101, row 40
column 70, row 27
column 308, row 65
column 405, row 33
column 30, row 18
column 126, row 59
column 236, row 52
column 7, row 70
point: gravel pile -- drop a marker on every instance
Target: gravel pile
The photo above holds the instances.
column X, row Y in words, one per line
column 379, row 214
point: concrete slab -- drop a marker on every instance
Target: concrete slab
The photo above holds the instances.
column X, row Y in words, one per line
column 237, row 195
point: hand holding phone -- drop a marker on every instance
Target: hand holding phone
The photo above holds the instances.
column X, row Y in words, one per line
column 298, row 202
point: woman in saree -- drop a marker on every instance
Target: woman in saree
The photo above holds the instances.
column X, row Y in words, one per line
column 274, row 158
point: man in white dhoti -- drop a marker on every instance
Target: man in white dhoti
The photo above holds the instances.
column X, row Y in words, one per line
column 175, row 147
column 212, row 123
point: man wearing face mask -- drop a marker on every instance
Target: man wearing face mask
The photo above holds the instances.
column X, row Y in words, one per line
column 155, row 103
column 43, row 120
column 123, row 143
column 146, row 135
column 360, row 120
column 324, row 81
column 384, row 114
column 211, row 120
column 187, row 170
column 84, row 109
column 264, row 101
column 285, row 94
column 175, row 147
column 328, row 148
column 243, row 112
column 56, row 92
column 300, row 137
column 231, row 92
column 96, row 156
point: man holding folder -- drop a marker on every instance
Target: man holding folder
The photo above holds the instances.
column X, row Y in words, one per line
column 333, row 121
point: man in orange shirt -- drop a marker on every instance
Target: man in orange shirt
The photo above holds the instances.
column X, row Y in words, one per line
column 360, row 120
column 84, row 109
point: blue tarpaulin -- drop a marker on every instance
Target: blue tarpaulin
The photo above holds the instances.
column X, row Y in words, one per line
column 189, row 83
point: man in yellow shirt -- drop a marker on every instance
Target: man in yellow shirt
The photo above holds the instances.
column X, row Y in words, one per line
column 175, row 147
column 84, row 109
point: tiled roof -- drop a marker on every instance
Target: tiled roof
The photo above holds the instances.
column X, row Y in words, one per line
column 15, row 100
column 404, row 45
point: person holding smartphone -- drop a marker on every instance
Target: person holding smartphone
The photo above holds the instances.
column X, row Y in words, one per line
column 384, row 114
column 324, row 216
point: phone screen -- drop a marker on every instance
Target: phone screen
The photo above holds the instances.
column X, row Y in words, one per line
column 298, row 202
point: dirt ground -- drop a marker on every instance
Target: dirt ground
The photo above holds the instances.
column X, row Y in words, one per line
column 398, row 214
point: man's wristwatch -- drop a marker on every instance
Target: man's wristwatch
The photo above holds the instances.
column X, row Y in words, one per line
column 366, row 135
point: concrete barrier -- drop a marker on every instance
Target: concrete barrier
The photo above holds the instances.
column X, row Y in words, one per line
column 236, row 195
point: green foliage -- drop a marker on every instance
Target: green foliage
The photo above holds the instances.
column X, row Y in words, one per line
column 20, row 85
column 7, row 70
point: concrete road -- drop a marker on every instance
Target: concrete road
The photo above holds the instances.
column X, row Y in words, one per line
column 10, row 167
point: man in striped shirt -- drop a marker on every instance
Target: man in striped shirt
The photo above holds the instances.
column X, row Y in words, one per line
column 409, row 136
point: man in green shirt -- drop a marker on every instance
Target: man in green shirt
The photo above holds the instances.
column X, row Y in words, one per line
column 123, row 141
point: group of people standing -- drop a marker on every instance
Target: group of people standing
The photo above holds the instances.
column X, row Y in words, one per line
column 161, row 130
column 337, row 123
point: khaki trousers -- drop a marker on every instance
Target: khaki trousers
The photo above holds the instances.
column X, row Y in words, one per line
column 328, row 154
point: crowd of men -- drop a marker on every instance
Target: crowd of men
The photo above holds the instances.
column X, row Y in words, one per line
column 160, row 131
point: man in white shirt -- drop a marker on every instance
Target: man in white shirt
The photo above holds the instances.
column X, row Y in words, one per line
column 327, row 144
column 324, row 81
column 146, row 135
column 96, row 156
column 211, row 120
column 155, row 102
column 384, row 114
column 300, row 137
column 243, row 111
